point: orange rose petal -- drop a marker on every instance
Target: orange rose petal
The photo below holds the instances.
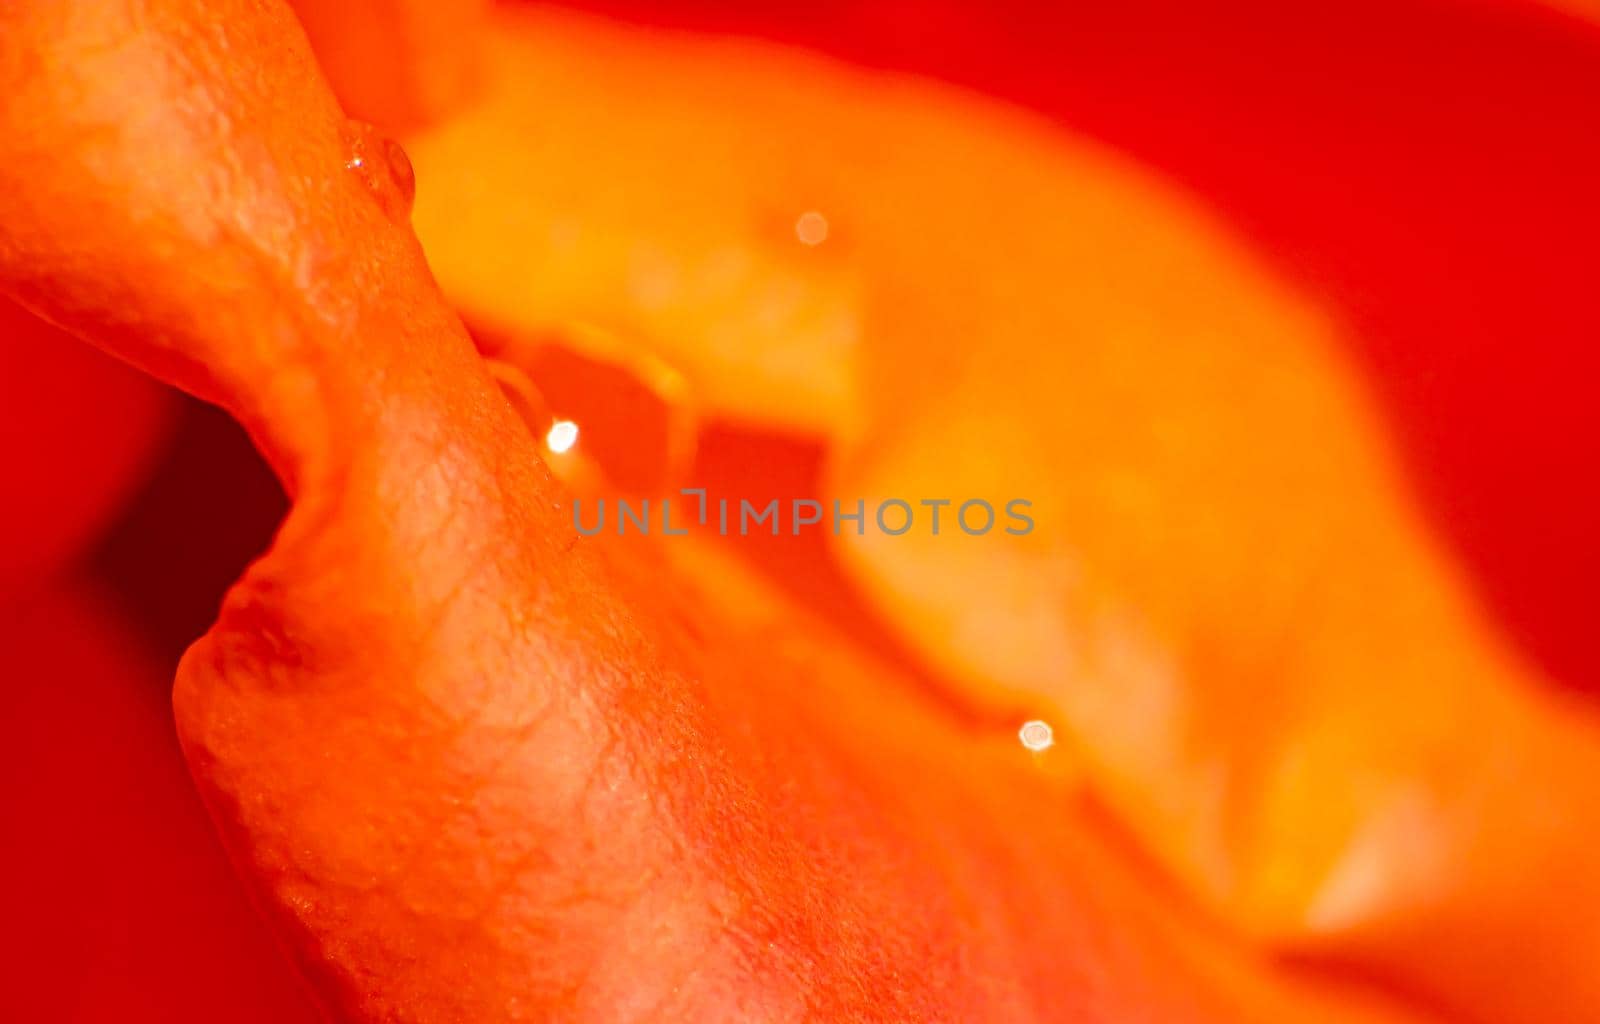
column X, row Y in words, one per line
column 476, row 772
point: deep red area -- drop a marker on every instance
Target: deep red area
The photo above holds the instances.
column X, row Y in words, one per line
column 120, row 904
column 77, row 430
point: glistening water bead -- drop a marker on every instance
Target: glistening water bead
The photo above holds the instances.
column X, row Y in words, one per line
column 562, row 436
column 382, row 165
column 1037, row 736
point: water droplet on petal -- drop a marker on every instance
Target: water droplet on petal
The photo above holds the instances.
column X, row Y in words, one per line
column 1037, row 736
column 563, row 434
column 526, row 399
column 382, row 165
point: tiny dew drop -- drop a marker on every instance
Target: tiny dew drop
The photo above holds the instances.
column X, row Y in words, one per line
column 526, row 399
column 1037, row 736
column 562, row 435
column 383, row 167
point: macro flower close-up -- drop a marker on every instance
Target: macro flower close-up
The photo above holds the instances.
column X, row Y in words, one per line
column 688, row 511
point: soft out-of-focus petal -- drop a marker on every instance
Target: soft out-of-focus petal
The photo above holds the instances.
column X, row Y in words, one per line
column 1270, row 667
column 609, row 183
column 399, row 64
